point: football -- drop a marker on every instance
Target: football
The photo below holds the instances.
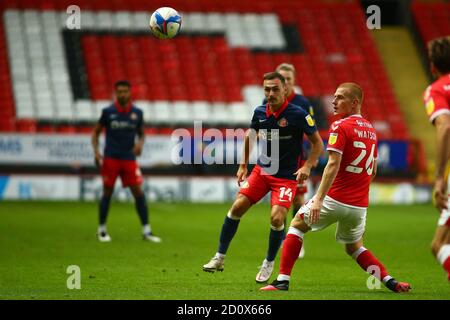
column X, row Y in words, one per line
column 165, row 23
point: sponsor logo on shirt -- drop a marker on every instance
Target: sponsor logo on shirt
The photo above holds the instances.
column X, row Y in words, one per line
column 269, row 135
column 122, row 125
column 333, row 138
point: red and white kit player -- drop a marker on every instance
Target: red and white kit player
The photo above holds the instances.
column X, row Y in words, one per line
column 437, row 103
column 343, row 194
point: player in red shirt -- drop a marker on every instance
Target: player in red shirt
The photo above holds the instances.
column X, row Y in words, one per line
column 342, row 196
column 437, row 103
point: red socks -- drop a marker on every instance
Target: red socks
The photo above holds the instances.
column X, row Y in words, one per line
column 446, row 266
column 366, row 260
column 291, row 249
column 443, row 257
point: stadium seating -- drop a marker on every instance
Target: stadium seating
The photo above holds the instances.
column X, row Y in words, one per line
column 211, row 72
column 431, row 19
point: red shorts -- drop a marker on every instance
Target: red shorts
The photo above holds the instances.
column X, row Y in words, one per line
column 128, row 170
column 258, row 185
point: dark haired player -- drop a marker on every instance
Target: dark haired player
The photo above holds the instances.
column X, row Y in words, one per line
column 437, row 102
column 283, row 123
column 123, row 123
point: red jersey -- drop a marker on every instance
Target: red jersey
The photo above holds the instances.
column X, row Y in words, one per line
column 356, row 140
column 437, row 98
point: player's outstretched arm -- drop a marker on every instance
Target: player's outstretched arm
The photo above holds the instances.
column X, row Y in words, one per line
column 374, row 172
column 316, row 150
column 249, row 142
column 94, row 139
column 139, row 145
column 329, row 174
column 442, row 124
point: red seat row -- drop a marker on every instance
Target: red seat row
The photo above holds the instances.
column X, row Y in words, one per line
column 206, row 68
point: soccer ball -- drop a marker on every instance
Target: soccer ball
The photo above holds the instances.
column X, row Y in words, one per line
column 165, row 23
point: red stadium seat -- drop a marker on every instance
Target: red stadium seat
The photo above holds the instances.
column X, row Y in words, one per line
column 46, row 129
column 7, row 125
column 205, row 67
column 67, row 129
column 26, row 126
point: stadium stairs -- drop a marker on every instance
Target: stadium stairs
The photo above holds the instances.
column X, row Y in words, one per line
column 409, row 80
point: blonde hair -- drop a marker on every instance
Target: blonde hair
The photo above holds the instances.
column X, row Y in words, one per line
column 355, row 91
column 286, row 67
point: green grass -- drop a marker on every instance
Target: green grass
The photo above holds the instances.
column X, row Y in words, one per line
column 39, row 240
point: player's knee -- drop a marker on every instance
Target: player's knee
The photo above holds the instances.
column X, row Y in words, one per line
column 300, row 224
column 137, row 194
column 435, row 247
column 136, row 190
column 240, row 206
column 277, row 221
column 349, row 251
column 351, row 248
column 107, row 192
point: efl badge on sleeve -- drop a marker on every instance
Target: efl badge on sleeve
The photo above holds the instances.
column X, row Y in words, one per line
column 310, row 120
column 333, row 138
column 430, row 106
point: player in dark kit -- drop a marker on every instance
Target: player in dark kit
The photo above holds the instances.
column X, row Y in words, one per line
column 123, row 123
column 288, row 71
column 277, row 122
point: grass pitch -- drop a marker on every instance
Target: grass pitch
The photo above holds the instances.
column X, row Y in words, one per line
column 39, row 240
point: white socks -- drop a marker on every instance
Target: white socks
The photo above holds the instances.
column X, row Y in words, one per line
column 280, row 228
column 443, row 253
column 230, row 215
column 283, row 277
column 219, row 256
column 146, row 229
